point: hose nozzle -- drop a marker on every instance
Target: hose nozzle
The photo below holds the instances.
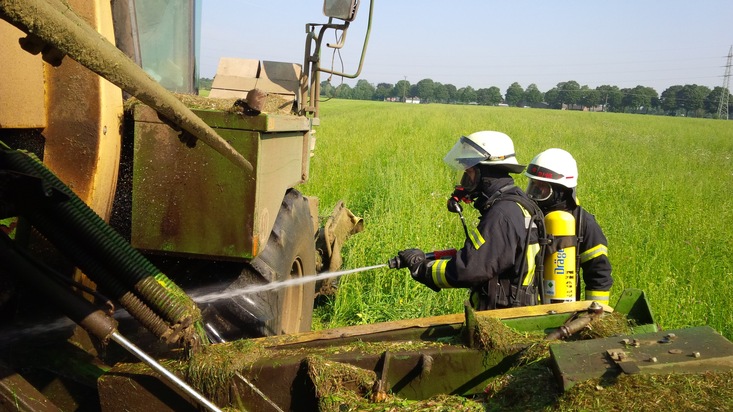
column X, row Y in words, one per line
column 396, row 262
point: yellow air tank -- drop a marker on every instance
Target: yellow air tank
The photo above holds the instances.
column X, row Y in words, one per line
column 560, row 272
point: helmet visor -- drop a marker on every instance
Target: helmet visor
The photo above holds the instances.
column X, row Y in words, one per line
column 539, row 190
column 465, row 154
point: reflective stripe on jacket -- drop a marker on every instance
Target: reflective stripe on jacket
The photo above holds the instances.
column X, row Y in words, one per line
column 593, row 253
column 495, row 249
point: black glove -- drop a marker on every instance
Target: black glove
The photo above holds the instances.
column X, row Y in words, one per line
column 454, row 205
column 414, row 260
column 460, row 194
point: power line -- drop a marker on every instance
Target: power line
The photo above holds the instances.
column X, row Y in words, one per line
column 725, row 94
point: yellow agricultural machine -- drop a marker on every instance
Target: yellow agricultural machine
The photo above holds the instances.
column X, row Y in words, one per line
column 124, row 196
column 198, row 186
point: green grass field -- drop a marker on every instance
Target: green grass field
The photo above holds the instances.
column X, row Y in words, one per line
column 659, row 186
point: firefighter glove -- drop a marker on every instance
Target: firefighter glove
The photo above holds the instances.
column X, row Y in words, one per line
column 412, row 259
column 415, row 261
column 454, row 205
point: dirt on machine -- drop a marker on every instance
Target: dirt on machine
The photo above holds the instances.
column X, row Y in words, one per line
column 121, row 188
column 128, row 201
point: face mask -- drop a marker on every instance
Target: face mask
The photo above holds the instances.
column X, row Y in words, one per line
column 471, row 179
column 539, row 191
column 466, row 191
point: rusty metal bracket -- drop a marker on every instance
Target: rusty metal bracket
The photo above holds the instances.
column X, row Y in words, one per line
column 338, row 228
column 381, row 385
column 340, row 225
column 577, row 323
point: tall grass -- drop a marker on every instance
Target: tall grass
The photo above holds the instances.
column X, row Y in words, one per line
column 659, row 187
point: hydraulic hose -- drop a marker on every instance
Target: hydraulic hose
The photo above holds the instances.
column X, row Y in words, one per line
column 89, row 265
column 82, row 312
column 99, row 250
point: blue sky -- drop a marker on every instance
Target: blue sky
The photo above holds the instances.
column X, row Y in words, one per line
column 491, row 43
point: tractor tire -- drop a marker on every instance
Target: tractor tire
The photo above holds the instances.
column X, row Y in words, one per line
column 290, row 253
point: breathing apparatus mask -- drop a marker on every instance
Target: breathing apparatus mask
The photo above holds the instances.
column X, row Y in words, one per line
column 470, row 184
column 539, row 190
column 478, row 183
column 553, row 180
column 550, row 196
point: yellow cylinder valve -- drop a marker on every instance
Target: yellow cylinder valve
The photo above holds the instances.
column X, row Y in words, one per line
column 560, row 272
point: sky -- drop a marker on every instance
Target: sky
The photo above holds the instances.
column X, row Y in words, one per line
column 484, row 43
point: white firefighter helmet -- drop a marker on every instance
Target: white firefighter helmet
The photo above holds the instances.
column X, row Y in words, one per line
column 485, row 147
column 554, row 166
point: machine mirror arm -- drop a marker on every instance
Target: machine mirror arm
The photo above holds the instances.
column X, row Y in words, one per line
column 341, row 43
column 312, row 64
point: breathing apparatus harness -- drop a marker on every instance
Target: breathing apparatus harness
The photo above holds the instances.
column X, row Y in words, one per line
column 523, row 295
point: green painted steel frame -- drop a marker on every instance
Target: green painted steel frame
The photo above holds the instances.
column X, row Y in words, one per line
column 192, row 201
column 444, row 364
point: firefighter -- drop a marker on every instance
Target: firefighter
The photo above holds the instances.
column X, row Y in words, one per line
column 553, row 181
column 497, row 261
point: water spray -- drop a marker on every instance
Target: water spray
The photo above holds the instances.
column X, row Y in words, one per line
column 393, row 263
column 277, row 285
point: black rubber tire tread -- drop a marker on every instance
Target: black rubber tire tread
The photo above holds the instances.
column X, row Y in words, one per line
column 262, row 314
column 292, row 238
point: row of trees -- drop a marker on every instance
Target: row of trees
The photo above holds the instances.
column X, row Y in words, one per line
column 688, row 100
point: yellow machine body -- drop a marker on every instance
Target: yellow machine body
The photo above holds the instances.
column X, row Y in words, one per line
column 560, row 267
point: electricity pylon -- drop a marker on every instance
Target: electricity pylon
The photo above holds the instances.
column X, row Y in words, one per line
column 725, row 95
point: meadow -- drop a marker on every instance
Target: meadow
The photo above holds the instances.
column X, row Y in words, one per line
column 659, row 187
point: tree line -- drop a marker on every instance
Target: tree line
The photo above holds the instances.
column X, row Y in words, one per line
column 679, row 100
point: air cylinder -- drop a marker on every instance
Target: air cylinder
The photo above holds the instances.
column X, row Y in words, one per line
column 560, row 272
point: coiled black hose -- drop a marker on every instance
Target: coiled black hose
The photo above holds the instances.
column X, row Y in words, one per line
column 100, row 251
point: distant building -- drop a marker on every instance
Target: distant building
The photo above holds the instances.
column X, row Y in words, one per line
column 415, row 100
column 580, row 107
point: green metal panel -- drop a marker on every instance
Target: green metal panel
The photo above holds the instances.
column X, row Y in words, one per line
column 633, row 303
column 453, row 370
column 691, row 350
column 263, row 122
column 193, row 201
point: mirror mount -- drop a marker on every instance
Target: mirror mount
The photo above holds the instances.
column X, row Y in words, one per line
column 310, row 81
column 341, row 9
